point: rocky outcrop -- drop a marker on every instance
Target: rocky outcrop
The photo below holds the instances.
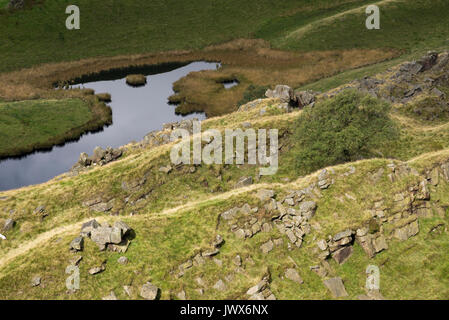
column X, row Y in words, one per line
column 281, row 92
column 114, row 238
column 100, row 157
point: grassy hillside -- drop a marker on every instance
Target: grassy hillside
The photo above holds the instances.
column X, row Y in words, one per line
column 140, row 26
column 176, row 215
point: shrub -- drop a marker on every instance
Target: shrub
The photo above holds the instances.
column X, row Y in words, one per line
column 253, row 92
column 348, row 127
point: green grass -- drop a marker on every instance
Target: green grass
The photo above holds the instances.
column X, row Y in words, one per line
column 410, row 25
column 140, row 26
column 34, row 124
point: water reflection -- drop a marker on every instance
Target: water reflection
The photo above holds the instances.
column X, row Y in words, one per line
column 135, row 112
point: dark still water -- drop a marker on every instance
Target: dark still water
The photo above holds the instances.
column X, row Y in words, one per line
column 135, row 112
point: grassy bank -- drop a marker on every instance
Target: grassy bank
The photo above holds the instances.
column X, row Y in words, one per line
column 39, row 124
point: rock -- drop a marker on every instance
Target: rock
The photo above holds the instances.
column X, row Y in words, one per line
column 166, row 169
column 282, row 92
column 105, row 235
column 307, row 209
column 244, row 181
column 230, row 214
column 293, row 275
column 240, row 234
column 437, row 93
column 123, row 260
column 84, row 160
column 257, row 288
column 407, row 231
column 220, row 285
column 322, row 245
column 304, row 98
column 124, row 228
column 98, row 155
column 210, row 253
column 102, row 207
column 237, row 261
column 86, row 228
column 336, row 287
column 267, row 247
column 77, row 244
column 9, row 224
column 149, row 291
column 136, row 80
column 343, row 234
column 111, row 296
column 411, row 67
column 39, row 210
column 128, row 290
column 75, row 260
column 218, row 242
column 36, row 281
column 96, row 270
column 181, row 295
column 343, row 254
column 104, row 97
column 264, row 194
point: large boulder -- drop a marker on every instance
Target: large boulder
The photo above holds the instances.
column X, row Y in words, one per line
column 282, row 92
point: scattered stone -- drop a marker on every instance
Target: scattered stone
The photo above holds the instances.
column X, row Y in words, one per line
column 166, row 169
column 75, row 260
column 257, row 288
column 264, row 194
column 123, row 260
column 343, row 254
column 149, row 291
column 293, row 275
column 322, row 245
column 244, row 181
column 181, row 295
column 267, row 247
column 77, row 244
column 111, row 296
column 336, row 287
column 9, row 224
column 218, row 242
column 220, row 285
column 128, row 290
column 237, row 261
column 36, row 281
column 96, row 270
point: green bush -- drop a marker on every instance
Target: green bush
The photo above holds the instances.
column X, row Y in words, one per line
column 253, row 92
column 348, row 127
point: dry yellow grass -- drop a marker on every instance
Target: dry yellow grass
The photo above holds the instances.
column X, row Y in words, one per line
column 249, row 61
